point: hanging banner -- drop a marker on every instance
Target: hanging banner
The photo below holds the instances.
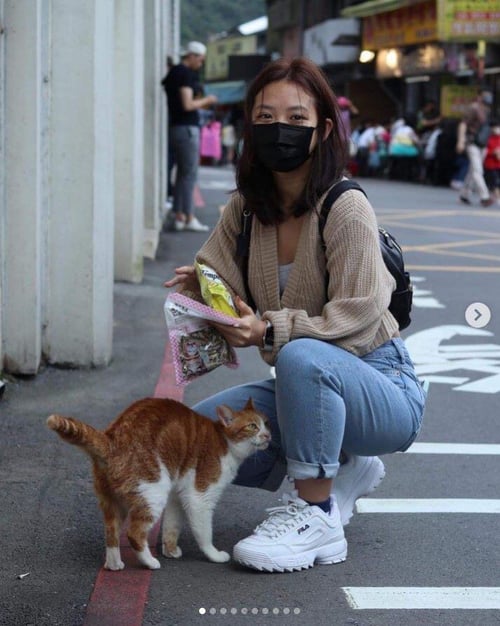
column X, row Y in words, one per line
column 468, row 20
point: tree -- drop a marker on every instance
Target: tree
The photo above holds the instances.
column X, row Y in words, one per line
column 202, row 18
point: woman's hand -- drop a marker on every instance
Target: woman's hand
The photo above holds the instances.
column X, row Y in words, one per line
column 250, row 329
column 185, row 278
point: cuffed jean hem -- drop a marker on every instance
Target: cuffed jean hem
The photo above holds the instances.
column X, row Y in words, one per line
column 302, row 471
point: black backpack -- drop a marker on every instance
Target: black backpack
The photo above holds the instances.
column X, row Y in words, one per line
column 401, row 301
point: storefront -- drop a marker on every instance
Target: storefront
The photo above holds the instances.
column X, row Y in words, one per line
column 423, row 48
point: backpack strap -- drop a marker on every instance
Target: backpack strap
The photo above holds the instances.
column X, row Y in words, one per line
column 332, row 196
column 243, row 252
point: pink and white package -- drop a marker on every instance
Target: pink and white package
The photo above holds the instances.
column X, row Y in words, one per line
column 197, row 347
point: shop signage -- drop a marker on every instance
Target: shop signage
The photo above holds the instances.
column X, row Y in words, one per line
column 405, row 26
column 219, row 51
column 468, row 20
column 455, row 99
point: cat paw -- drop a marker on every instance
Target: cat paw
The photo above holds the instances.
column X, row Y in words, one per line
column 172, row 552
column 114, row 566
column 218, row 556
column 153, row 563
column 148, row 560
column 113, row 560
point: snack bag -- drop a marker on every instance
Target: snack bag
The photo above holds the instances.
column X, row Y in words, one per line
column 213, row 290
column 197, row 347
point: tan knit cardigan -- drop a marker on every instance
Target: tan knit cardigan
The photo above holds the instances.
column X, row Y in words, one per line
column 355, row 317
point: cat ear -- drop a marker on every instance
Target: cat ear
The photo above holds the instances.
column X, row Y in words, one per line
column 225, row 414
column 249, row 405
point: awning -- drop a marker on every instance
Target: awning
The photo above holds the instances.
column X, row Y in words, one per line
column 227, row 92
column 373, row 7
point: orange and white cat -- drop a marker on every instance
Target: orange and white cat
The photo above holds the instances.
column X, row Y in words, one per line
column 160, row 455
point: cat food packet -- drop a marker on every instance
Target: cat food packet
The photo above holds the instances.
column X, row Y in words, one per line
column 213, row 290
column 197, row 347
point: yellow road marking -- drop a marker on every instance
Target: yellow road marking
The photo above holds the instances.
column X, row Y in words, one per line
column 469, row 255
column 450, row 244
column 449, row 249
column 453, row 268
column 443, row 229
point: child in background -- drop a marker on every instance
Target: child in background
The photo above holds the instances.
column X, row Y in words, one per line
column 492, row 161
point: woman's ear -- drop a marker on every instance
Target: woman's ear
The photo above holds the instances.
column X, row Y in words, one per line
column 328, row 128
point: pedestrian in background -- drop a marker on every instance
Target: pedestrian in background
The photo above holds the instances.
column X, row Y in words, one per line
column 364, row 142
column 228, row 141
column 404, row 149
column 181, row 85
column 428, row 129
column 492, row 161
column 345, row 388
column 451, row 132
column 347, row 111
column 170, row 153
column 428, row 119
column 473, row 133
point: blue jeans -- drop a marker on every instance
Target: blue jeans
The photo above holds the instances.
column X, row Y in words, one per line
column 324, row 400
column 185, row 145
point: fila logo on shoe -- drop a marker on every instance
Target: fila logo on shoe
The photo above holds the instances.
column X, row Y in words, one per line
column 303, row 529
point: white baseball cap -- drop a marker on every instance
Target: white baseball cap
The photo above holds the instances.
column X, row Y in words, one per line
column 194, row 47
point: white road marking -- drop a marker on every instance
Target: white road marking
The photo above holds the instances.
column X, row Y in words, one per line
column 427, row 505
column 423, row 298
column 463, row 598
column 439, row 363
column 454, row 448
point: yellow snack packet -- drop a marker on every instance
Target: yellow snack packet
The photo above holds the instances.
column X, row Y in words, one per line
column 214, row 291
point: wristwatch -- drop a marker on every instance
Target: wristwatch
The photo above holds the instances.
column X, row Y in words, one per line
column 268, row 338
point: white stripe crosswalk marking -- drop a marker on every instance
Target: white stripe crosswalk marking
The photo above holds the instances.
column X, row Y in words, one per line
column 427, row 505
column 454, row 448
column 463, row 598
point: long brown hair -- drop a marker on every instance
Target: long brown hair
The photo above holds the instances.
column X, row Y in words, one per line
column 328, row 160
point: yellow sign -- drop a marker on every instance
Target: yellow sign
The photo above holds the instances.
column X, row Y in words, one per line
column 455, row 99
column 469, row 20
column 219, row 51
column 405, row 26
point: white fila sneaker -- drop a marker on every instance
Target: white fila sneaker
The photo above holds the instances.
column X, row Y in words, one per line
column 295, row 536
column 358, row 477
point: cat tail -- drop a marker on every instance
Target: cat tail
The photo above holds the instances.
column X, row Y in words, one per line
column 94, row 442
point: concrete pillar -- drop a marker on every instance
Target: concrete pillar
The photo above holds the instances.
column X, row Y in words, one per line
column 21, row 205
column 154, row 68
column 79, row 311
column 129, row 139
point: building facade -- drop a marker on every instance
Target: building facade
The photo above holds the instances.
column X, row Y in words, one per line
column 413, row 50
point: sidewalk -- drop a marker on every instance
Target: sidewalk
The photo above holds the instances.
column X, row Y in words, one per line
column 50, row 525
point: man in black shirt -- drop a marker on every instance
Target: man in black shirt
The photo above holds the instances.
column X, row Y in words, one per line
column 181, row 86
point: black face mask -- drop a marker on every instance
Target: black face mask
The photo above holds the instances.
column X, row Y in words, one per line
column 282, row 147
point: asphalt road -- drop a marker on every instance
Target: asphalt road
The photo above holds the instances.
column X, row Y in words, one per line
column 426, row 540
